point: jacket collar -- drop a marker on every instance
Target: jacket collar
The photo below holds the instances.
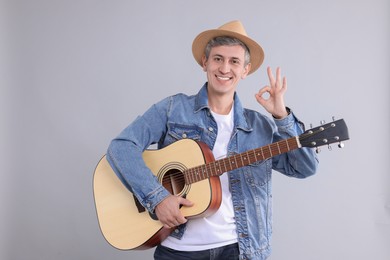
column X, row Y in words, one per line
column 240, row 119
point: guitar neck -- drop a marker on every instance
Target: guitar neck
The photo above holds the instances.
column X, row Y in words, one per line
column 218, row 167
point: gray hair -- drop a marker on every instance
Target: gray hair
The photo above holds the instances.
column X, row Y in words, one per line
column 227, row 41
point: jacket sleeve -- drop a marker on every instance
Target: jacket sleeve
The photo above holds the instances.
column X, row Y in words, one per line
column 298, row 163
column 125, row 155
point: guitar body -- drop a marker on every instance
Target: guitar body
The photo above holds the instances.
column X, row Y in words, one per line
column 124, row 223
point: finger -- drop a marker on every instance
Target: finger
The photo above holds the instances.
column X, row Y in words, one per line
column 185, row 202
column 263, row 95
column 279, row 81
column 266, row 89
column 270, row 76
column 175, row 222
column 285, row 83
column 168, row 224
column 278, row 74
column 179, row 219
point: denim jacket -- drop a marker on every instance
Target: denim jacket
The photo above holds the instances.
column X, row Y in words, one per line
column 181, row 116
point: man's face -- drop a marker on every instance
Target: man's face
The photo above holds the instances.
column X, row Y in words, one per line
column 225, row 68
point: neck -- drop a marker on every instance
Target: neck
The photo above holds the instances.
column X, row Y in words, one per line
column 221, row 108
column 221, row 104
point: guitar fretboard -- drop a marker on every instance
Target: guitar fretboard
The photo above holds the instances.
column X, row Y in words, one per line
column 218, row 167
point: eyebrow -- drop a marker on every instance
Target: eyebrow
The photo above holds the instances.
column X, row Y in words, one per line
column 233, row 58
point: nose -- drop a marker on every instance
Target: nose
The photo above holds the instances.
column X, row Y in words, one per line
column 225, row 67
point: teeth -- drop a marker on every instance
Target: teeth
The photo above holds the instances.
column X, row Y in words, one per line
column 223, row 78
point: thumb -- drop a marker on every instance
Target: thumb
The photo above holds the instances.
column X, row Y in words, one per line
column 263, row 95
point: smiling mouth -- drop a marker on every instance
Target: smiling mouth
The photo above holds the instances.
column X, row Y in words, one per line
column 224, row 78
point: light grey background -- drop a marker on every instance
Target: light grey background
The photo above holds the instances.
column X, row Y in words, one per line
column 75, row 73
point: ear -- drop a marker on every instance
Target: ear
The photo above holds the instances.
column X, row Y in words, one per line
column 204, row 61
column 247, row 68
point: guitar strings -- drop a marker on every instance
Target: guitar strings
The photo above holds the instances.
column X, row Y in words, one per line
column 218, row 167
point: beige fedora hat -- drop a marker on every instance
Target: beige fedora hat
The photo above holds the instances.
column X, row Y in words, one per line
column 233, row 29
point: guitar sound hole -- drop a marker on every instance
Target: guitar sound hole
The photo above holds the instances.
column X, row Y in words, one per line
column 173, row 181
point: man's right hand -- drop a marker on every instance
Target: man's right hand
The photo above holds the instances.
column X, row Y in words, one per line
column 168, row 211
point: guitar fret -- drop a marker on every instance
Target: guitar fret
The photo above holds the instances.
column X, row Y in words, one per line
column 223, row 163
column 257, row 154
column 191, row 172
column 205, row 169
column 260, row 154
column 211, row 169
column 231, row 167
column 190, row 176
column 278, row 147
column 288, row 146
column 254, row 152
column 269, row 148
column 217, row 168
column 238, row 156
column 226, row 161
column 195, row 174
column 249, row 157
column 234, row 162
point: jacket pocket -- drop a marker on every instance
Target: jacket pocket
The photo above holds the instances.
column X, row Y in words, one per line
column 181, row 131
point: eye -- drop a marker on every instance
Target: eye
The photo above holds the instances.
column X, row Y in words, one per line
column 235, row 61
column 217, row 59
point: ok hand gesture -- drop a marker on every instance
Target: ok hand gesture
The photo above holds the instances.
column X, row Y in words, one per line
column 274, row 104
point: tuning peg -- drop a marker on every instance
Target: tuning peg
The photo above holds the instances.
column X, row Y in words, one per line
column 329, row 147
column 333, row 118
column 322, row 122
column 341, row 145
column 318, row 150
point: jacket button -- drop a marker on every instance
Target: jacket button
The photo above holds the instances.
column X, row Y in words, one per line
column 184, row 135
column 211, row 129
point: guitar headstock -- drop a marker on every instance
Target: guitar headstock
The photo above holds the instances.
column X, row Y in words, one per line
column 334, row 132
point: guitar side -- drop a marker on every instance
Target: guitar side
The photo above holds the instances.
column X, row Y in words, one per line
column 121, row 222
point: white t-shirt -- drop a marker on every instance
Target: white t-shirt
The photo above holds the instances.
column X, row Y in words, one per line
column 218, row 229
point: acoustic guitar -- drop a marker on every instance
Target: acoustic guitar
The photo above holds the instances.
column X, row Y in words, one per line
column 186, row 168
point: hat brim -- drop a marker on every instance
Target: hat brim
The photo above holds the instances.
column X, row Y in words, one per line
column 200, row 42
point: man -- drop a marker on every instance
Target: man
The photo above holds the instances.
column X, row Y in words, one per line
column 241, row 227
